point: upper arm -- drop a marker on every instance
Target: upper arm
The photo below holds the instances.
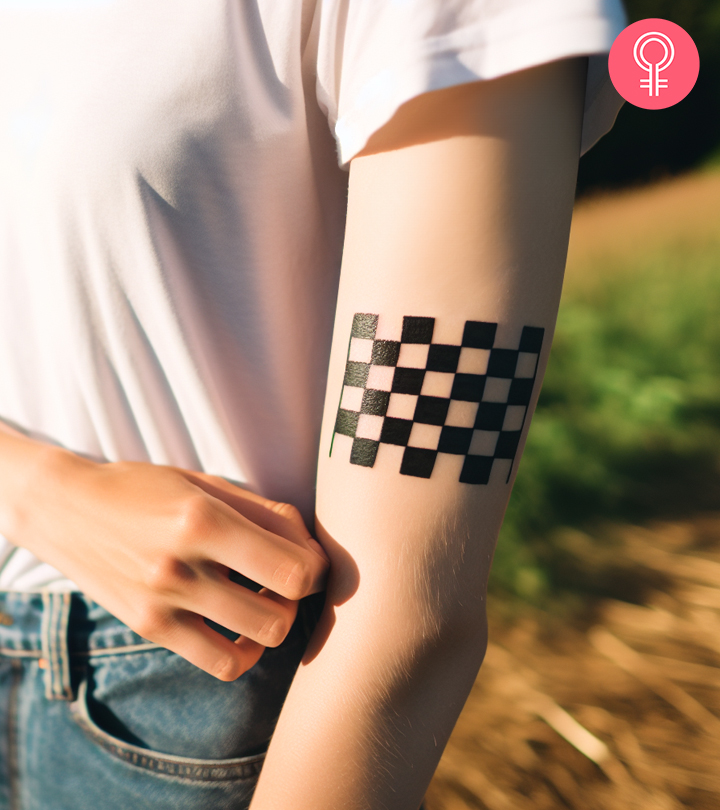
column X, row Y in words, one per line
column 458, row 216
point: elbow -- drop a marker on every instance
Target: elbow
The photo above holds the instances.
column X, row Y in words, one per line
column 450, row 609
column 455, row 648
column 463, row 634
column 433, row 631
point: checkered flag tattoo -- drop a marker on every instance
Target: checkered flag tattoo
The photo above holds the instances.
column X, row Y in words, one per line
column 469, row 400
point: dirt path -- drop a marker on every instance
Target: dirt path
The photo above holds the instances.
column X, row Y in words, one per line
column 623, row 714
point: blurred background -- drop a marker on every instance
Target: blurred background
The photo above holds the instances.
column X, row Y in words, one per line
column 601, row 687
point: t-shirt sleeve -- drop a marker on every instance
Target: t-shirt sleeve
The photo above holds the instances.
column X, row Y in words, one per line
column 374, row 55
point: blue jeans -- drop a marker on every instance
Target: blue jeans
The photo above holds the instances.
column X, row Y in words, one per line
column 94, row 716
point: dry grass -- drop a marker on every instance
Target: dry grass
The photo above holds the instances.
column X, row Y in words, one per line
column 611, row 227
column 621, row 714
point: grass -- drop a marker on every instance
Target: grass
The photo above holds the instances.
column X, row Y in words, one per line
column 628, row 423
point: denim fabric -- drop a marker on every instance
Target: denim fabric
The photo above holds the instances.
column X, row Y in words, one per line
column 94, row 716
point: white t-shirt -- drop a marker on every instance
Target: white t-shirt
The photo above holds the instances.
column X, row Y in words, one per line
column 172, row 205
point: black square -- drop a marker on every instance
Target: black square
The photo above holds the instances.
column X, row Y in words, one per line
column 385, row 352
column 356, row 374
column 455, row 440
column 442, row 357
column 396, row 431
column 479, row 334
column 364, row 452
column 531, row 339
column 502, row 363
column 476, row 470
column 408, row 380
column 364, row 325
column 417, row 330
column 418, row 461
column 468, row 387
column 375, row 402
column 490, row 416
column 347, row 422
column 507, row 444
column 431, row 410
column 520, row 392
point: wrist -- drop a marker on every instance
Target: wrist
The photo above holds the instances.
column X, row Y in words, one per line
column 29, row 471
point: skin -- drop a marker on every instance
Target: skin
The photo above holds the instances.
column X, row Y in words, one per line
column 159, row 561
column 459, row 208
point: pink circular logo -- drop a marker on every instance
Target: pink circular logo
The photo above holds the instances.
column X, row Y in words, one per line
column 654, row 64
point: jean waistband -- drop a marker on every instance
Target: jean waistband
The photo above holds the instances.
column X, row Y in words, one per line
column 58, row 627
column 54, row 627
column 26, row 618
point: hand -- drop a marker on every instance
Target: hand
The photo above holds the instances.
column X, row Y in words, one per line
column 154, row 544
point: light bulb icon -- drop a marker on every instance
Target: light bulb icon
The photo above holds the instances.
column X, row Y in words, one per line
column 653, row 83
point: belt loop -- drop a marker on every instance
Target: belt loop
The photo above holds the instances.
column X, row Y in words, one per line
column 56, row 615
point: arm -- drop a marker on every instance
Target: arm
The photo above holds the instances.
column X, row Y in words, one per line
column 459, row 209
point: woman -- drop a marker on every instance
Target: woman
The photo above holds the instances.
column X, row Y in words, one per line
column 176, row 218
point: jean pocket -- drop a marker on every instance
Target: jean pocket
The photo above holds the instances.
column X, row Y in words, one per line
column 157, row 712
column 205, row 770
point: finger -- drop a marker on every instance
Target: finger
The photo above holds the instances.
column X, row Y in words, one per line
column 291, row 605
column 280, row 518
column 264, row 617
column 192, row 639
column 250, row 649
column 261, row 555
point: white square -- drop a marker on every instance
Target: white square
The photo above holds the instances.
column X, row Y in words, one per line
column 341, row 446
column 448, row 466
column 473, row 361
column 526, row 364
column 437, row 384
column 389, row 327
column 402, row 406
column 500, row 471
column 483, row 442
column 389, row 456
column 424, row 436
column 360, row 350
column 369, row 426
column 380, row 378
column 514, row 416
column 352, row 398
column 413, row 355
column 448, row 331
column 461, row 414
column 496, row 389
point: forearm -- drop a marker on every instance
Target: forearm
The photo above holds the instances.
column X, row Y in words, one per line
column 398, row 647
column 22, row 460
column 365, row 722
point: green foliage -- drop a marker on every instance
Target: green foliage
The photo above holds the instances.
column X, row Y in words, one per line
column 628, row 422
